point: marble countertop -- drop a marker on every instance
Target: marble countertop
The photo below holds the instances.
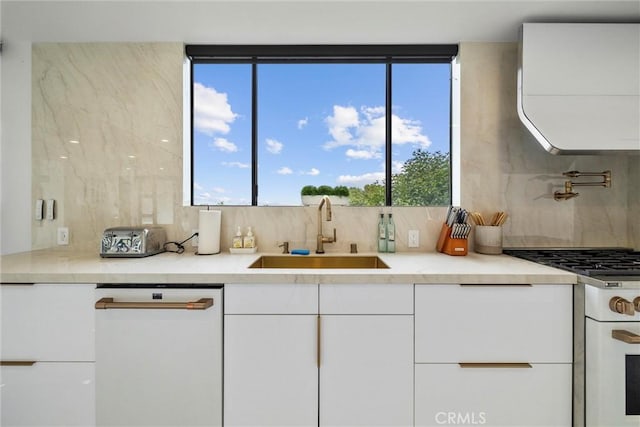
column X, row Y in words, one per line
column 64, row 266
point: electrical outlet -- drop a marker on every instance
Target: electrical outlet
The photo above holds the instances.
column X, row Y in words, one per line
column 63, row 235
column 194, row 241
column 414, row 238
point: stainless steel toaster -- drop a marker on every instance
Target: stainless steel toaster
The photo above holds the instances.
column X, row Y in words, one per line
column 132, row 242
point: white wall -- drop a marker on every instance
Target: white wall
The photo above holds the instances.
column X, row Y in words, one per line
column 24, row 22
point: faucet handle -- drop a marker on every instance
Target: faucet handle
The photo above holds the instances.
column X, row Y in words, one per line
column 285, row 247
column 335, row 237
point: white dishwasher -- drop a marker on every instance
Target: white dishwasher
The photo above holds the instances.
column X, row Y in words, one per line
column 158, row 355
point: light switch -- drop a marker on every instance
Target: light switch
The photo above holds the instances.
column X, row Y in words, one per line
column 50, row 209
column 38, row 209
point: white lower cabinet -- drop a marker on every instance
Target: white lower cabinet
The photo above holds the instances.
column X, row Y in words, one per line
column 271, row 375
column 448, row 394
column 48, row 394
column 496, row 355
column 366, row 370
column 336, row 361
column 47, row 359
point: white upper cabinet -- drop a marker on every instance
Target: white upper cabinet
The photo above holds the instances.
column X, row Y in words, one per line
column 579, row 86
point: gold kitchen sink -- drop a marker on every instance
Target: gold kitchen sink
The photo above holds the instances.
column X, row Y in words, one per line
column 320, row 261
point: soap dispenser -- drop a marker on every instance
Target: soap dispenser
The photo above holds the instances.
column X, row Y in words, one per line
column 237, row 239
column 249, row 239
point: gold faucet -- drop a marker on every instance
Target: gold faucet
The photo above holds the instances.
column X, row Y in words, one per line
column 321, row 240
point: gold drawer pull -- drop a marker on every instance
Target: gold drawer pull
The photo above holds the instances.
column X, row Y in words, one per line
column 625, row 336
column 318, row 340
column 493, row 285
column 494, row 365
column 109, row 303
column 17, row 362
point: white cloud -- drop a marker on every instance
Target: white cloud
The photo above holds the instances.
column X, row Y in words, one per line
column 365, row 131
column 312, row 172
column 303, row 122
column 360, row 180
column 197, row 186
column 212, row 111
column 225, row 145
column 218, row 190
column 273, row 146
column 236, row 165
column 407, row 131
column 284, row 171
column 396, row 166
column 362, row 154
column 340, row 125
column 205, row 197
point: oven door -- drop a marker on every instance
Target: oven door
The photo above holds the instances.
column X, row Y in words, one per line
column 612, row 373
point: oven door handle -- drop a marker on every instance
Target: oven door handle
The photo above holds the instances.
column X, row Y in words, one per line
column 625, row 336
column 109, row 303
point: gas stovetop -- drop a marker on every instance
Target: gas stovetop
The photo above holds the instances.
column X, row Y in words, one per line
column 587, row 262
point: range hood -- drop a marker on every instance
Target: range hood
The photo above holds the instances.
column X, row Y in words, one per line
column 579, row 87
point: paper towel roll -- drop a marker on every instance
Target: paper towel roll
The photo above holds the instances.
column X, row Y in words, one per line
column 209, row 232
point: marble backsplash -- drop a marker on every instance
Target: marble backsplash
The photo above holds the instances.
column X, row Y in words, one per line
column 107, row 146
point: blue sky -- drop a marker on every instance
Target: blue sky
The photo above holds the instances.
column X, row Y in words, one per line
column 318, row 124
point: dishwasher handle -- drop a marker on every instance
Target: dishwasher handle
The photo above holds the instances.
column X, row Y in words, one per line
column 109, row 303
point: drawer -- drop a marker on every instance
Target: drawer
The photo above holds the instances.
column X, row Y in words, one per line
column 494, row 323
column 48, row 322
column 366, row 299
column 535, row 396
column 48, row 394
column 270, row 299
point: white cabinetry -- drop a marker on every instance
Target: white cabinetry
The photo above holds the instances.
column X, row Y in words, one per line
column 270, row 355
column 495, row 355
column 366, row 357
column 48, row 355
column 340, row 354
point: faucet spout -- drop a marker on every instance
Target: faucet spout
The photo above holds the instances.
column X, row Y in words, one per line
column 321, row 240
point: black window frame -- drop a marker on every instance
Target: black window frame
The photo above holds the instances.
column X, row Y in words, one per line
column 387, row 54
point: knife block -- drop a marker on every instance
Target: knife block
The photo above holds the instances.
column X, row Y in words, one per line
column 450, row 246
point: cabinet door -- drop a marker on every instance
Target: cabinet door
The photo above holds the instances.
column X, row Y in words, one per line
column 48, row 322
column 366, row 370
column 519, row 396
column 48, row 394
column 270, row 370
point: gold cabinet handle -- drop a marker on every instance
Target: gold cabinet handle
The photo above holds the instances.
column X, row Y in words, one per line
column 109, row 303
column 625, row 336
column 493, row 285
column 17, row 362
column 318, row 340
column 494, row 365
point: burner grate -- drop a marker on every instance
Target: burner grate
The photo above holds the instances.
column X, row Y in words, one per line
column 588, row 262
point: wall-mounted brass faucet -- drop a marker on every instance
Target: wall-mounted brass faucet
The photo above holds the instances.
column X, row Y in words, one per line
column 568, row 192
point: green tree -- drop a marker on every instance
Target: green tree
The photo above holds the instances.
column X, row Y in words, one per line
column 371, row 195
column 424, row 180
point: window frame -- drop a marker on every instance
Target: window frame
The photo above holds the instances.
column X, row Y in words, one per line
column 387, row 54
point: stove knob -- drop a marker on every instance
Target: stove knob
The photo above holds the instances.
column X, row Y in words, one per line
column 621, row 305
column 636, row 304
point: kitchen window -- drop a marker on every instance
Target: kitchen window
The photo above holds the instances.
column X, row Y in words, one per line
column 372, row 122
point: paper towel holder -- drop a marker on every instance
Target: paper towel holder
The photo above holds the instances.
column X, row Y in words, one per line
column 209, row 224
